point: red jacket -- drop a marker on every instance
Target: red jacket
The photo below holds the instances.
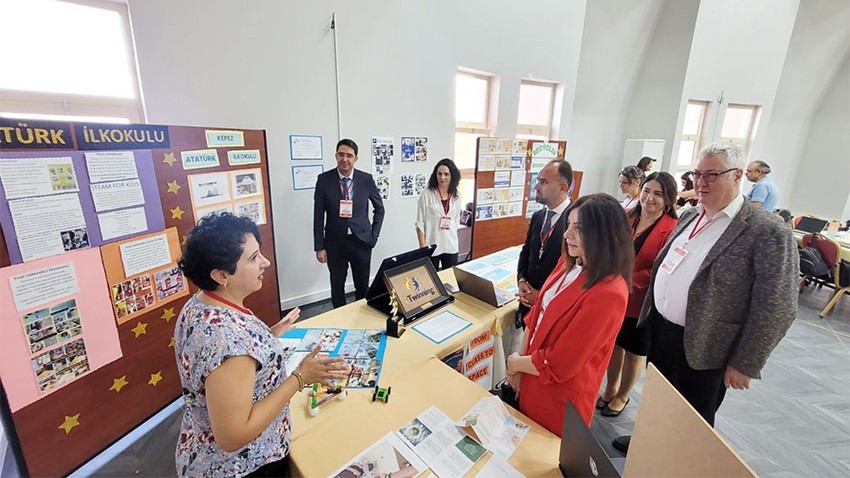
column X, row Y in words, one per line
column 643, row 263
column 571, row 347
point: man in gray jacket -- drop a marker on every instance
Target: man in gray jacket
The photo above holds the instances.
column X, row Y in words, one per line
column 723, row 290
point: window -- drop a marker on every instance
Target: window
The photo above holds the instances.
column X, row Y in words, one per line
column 739, row 125
column 473, row 93
column 536, row 101
column 692, row 128
column 90, row 71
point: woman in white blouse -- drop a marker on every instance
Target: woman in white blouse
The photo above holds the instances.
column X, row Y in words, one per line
column 629, row 182
column 438, row 214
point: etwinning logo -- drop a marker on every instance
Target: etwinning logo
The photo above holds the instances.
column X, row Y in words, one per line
column 412, row 284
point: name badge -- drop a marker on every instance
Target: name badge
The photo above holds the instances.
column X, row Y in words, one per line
column 346, row 206
column 674, row 257
column 445, row 223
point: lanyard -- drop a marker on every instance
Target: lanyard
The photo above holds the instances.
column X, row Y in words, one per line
column 346, row 191
column 696, row 230
column 446, row 202
column 548, row 232
column 228, row 303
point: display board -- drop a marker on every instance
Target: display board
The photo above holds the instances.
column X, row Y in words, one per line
column 505, row 173
column 93, row 217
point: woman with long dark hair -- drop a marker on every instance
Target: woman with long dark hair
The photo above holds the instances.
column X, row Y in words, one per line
column 629, row 181
column 652, row 221
column 571, row 328
column 438, row 214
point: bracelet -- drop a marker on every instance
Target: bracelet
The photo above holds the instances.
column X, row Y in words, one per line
column 300, row 378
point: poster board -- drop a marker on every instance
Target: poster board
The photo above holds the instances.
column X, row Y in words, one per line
column 671, row 439
column 129, row 188
column 505, row 171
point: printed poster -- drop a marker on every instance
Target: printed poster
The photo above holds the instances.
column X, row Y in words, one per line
column 383, row 183
column 54, row 330
column 408, row 149
column 239, row 191
column 363, row 351
column 382, row 154
column 142, row 274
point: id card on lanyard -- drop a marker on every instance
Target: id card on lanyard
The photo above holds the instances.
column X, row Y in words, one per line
column 346, row 205
column 678, row 253
column 445, row 219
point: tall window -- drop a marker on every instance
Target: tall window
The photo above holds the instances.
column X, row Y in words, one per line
column 739, row 125
column 472, row 121
column 692, row 129
column 78, row 62
column 536, row 102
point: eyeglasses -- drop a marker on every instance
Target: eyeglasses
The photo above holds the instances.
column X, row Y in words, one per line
column 709, row 177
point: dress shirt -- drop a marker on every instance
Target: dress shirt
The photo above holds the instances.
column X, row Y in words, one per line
column 350, row 189
column 558, row 210
column 671, row 290
column 429, row 210
column 629, row 203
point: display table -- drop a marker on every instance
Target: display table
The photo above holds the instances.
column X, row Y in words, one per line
column 412, row 367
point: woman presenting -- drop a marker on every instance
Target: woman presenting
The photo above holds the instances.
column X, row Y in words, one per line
column 571, row 328
column 231, row 364
column 653, row 220
column 438, row 214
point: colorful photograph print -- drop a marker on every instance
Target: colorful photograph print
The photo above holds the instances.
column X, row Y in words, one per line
column 408, row 148
column 62, row 177
column 131, row 296
column 75, row 239
column 421, row 149
column 253, row 210
column 168, row 282
column 60, row 365
column 364, row 372
column 49, row 326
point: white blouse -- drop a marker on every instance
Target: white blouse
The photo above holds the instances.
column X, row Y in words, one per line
column 563, row 282
column 429, row 210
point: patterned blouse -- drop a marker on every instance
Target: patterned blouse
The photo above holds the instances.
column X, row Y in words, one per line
column 204, row 337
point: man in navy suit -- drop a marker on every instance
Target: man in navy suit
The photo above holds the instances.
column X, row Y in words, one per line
column 342, row 233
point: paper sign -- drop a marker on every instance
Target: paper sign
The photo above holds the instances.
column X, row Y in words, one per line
column 248, row 156
column 145, row 254
column 221, row 139
column 43, row 285
column 305, row 146
column 111, row 166
column 304, row 177
column 117, row 194
column 122, row 223
column 205, row 158
column 24, row 177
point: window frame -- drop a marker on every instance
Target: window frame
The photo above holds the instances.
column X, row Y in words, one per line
column 742, row 143
column 538, row 131
column 697, row 138
column 24, row 102
column 485, row 129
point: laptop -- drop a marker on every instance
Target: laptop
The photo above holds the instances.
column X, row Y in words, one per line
column 581, row 454
column 377, row 296
column 481, row 288
column 811, row 224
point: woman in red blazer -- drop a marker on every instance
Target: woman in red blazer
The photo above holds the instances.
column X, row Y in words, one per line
column 652, row 221
column 571, row 328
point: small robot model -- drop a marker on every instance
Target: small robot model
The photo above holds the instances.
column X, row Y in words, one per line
column 329, row 393
column 381, row 394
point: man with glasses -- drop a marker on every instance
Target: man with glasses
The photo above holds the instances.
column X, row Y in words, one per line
column 723, row 291
column 764, row 193
column 342, row 233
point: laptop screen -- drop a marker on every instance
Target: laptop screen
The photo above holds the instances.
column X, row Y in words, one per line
column 581, row 454
column 811, row 224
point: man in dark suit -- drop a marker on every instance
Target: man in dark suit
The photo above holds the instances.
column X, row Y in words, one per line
column 342, row 233
column 542, row 247
column 723, row 290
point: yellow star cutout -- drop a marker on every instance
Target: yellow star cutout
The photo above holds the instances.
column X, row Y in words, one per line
column 561, row 151
column 173, row 187
column 167, row 314
column 169, row 159
column 171, row 344
column 69, row 423
column 119, row 383
column 177, row 213
column 155, row 378
column 139, row 329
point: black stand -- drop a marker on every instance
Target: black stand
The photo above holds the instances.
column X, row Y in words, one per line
column 393, row 329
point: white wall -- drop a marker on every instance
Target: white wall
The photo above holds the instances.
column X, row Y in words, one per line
column 270, row 64
column 822, row 185
column 821, row 37
column 653, row 110
column 738, row 50
column 616, row 37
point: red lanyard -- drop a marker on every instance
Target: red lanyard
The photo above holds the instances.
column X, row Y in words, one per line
column 228, row 303
column 696, row 230
column 445, row 201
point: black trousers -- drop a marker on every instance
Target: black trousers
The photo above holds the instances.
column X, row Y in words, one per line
column 353, row 251
column 703, row 389
column 278, row 468
column 444, row 261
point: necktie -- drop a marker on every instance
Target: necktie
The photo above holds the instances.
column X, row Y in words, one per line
column 547, row 229
column 345, row 183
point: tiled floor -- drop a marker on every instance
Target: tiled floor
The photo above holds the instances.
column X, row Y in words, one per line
column 793, row 422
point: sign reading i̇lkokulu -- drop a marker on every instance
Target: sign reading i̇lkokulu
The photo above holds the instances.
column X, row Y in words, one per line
column 115, row 136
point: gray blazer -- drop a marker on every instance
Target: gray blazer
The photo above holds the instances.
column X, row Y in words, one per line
column 744, row 296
